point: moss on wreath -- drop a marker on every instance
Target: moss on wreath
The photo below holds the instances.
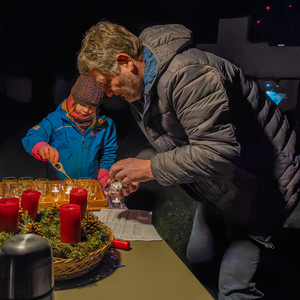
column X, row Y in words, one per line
column 94, row 234
column 4, row 236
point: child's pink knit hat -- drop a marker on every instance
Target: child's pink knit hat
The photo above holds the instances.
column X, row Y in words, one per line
column 87, row 92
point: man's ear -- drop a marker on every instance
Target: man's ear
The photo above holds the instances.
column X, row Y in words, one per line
column 125, row 60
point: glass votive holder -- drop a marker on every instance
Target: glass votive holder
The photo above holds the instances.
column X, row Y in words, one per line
column 25, row 183
column 9, row 180
column 67, row 186
column 25, row 180
column 84, row 182
column 116, row 186
column 11, row 190
column 91, row 188
column 41, row 185
column 1, row 190
column 55, row 189
column 117, row 202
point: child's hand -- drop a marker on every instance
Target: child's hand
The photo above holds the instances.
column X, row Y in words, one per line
column 103, row 181
column 49, row 153
column 103, row 176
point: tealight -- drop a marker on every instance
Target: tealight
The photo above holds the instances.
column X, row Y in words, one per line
column 55, row 190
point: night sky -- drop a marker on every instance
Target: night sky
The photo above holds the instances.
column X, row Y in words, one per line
column 40, row 39
column 39, row 31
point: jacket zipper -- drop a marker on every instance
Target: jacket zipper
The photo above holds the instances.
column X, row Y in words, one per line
column 141, row 121
column 83, row 143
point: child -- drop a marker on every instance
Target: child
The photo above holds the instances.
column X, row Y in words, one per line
column 75, row 135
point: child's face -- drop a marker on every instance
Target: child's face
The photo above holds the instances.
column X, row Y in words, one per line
column 84, row 110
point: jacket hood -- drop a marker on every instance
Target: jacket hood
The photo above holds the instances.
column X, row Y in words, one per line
column 165, row 41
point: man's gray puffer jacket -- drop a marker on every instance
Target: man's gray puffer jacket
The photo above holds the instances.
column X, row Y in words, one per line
column 213, row 130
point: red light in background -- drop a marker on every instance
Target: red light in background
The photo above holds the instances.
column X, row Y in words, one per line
column 268, row 7
column 258, row 22
column 290, row 6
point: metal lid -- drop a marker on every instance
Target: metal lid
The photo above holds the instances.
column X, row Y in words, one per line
column 26, row 267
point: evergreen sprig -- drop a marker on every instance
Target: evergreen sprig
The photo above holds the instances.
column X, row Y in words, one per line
column 49, row 221
column 4, row 236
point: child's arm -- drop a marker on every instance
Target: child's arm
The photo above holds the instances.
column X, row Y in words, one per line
column 36, row 142
column 103, row 176
column 108, row 153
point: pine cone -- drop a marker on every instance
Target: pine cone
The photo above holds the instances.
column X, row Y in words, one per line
column 21, row 214
column 90, row 224
column 54, row 207
column 34, row 228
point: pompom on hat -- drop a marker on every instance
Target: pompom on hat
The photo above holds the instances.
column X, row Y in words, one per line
column 87, row 92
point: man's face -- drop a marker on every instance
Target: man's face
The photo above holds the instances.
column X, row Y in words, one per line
column 126, row 84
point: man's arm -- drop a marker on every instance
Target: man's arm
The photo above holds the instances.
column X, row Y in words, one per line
column 201, row 104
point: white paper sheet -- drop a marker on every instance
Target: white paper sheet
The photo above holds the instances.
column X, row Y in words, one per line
column 130, row 225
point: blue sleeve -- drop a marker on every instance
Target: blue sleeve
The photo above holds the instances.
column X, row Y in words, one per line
column 41, row 132
column 109, row 146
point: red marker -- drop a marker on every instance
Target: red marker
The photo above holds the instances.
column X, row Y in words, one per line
column 121, row 244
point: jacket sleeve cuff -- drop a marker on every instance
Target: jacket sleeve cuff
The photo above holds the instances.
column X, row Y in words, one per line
column 146, row 154
column 103, row 175
column 36, row 150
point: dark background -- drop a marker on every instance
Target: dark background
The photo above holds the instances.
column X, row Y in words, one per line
column 40, row 39
column 39, row 42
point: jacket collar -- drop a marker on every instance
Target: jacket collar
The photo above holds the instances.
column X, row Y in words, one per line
column 101, row 119
column 65, row 109
column 150, row 70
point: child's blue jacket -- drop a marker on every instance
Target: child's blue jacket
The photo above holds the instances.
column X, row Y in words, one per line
column 81, row 155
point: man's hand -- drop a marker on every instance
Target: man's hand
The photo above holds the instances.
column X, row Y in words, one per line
column 49, row 153
column 131, row 170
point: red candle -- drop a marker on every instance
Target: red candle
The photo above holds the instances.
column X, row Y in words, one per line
column 70, row 223
column 9, row 214
column 79, row 196
column 30, row 202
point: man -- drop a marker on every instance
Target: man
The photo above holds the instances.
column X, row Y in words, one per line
column 211, row 131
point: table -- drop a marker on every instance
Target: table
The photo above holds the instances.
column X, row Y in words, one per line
column 152, row 272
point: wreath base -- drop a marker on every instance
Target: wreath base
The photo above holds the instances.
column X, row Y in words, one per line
column 65, row 269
